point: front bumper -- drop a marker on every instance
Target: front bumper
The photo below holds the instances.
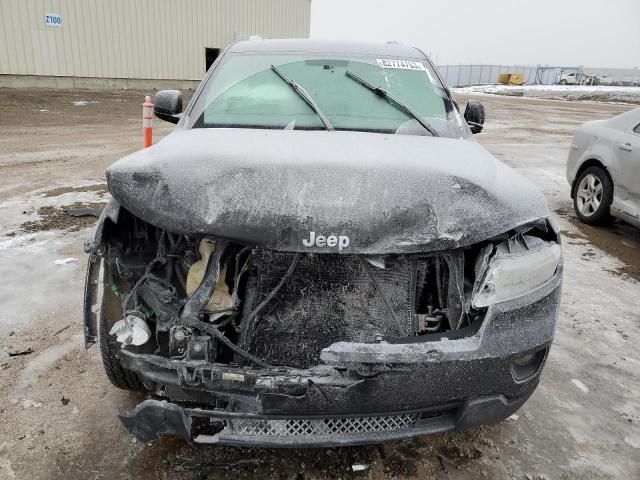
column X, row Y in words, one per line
column 364, row 393
column 152, row 418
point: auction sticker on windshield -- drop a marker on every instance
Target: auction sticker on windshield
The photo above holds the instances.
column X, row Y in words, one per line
column 400, row 64
column 403, row 65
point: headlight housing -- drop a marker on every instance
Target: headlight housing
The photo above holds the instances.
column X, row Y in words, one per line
column 514, row 268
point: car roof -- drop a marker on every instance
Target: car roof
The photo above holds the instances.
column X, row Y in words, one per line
column 389, row 49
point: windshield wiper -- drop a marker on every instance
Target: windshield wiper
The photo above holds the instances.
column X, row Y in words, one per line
column 393, row 101
column 299, row 89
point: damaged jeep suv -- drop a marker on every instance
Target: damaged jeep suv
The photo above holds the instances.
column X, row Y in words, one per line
column 320, row 254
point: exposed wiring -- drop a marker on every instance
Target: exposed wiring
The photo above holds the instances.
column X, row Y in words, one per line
column 213, row 330
column 248, row 321
column 275, row 290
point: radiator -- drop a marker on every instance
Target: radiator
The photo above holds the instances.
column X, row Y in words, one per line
column 328, row 298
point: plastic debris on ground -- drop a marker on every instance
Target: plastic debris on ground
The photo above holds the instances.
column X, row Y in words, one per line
column 64, row 261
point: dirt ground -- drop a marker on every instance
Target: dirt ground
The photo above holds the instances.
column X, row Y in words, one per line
column 58, row 412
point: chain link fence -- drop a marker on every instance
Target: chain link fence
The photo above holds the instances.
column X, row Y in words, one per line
column 466, row 75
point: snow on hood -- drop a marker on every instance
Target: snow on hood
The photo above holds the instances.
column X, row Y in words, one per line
column 271, row 188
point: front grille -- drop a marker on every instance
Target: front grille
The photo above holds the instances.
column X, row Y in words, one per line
column 323, row 426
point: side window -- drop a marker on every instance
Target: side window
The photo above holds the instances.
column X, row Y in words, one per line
column 637, row 129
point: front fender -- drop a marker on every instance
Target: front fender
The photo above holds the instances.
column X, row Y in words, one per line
column 111, row 212
column 94, row 247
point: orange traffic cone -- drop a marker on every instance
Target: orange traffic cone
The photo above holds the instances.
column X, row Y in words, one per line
column 147, row 117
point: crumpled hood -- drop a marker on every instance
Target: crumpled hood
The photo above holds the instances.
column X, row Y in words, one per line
column 271, row 188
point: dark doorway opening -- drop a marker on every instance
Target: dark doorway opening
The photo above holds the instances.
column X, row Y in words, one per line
column 210, row 55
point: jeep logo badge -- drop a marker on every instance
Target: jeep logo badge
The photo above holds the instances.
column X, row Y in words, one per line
column 331, row 241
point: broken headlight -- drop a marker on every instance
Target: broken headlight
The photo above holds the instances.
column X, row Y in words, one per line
column 514, row 268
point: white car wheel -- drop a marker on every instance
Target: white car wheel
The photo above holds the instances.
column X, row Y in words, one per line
column 592, row 196
column 589, row 195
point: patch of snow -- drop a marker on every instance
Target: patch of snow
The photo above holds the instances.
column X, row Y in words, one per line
column 592, row 93
column 548, row 88
column 81, row 103
column 28, row 403
column 634, row 441
column 579, row 385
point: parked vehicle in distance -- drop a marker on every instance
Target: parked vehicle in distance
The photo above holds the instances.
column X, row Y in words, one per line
column 569, row 78
column 578, row 78
column 321, row 254
column 603, row 169
column 591, row 80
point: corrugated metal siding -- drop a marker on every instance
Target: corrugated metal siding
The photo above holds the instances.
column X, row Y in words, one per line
column 149, row 39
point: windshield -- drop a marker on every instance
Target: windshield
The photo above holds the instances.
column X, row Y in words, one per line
column 290, row 91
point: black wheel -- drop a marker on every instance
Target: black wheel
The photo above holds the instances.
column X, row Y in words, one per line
column 593, row 195
column 563, row 82
column 111, row 312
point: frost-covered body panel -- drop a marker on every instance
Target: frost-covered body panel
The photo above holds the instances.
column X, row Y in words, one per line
column 388, row 193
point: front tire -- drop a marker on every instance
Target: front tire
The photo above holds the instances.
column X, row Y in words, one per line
column 111, row 312
column 593, row 196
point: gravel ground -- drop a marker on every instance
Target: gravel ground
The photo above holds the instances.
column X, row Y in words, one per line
column 58, row 410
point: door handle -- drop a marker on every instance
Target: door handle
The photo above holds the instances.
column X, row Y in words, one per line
column 625, row 146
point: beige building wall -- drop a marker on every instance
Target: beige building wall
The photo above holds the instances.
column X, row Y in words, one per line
column 135, row 39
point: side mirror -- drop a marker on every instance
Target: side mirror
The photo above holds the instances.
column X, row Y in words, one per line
column 167, row 105
column 474, row 115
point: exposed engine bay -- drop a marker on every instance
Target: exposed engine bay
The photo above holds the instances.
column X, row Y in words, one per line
column 211, row 300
